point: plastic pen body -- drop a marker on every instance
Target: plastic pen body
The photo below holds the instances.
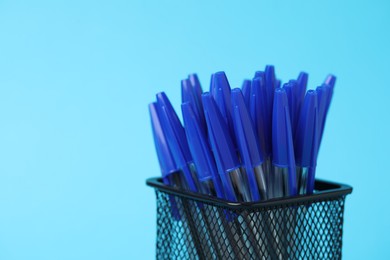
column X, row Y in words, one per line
column 261, row 180
column 239, row 185
column 305, row 180
column 280, row 181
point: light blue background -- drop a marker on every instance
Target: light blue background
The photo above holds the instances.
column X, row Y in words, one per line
column 76, row 78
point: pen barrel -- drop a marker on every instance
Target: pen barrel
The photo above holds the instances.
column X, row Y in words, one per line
column 261, row 181
column 302, row 179
column 301, row 227
column 240, row 185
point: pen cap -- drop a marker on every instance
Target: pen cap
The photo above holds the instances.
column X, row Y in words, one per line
column 246, row 140
column 224, row 149
column 220, row 90
column 173, row 119
column 200, row 150
column 166, row 161
column 270, row 77
column 306, row 139
column 323, row 92
column 261, row 114
column 291, row 101
column 246, row 91
column 270, row 85
column 302, row 80
column 281, row 127
column 188, row 95
column 259, row 74
column 299, row 92
column 330, row 81
column 270, row 81
column 282, row 142
column 196, row 86
column 197, row 90
column 278, row 83
column 243, row 122
column 176, row 138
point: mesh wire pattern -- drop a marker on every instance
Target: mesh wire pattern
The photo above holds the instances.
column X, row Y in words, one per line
column 307, row 228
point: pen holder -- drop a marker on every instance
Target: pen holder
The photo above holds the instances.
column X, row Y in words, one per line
column 195, row 226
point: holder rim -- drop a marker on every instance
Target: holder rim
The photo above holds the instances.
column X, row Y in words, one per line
column 323, row 190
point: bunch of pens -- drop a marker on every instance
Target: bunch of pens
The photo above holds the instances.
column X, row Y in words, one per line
column 251, row 144
column 255, row 143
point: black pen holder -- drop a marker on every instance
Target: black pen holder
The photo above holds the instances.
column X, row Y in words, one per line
column 194, row 226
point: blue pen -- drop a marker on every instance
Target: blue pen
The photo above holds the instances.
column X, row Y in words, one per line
column 261, row 117
column 246, row 91
column 208, row 177
column 234, row 183
column 267, row 85
column 306, row 144
column 248, row 147
column 209, row 181
column 233, row 179
column 170, row 173
column 177, row 140
column 284, row 175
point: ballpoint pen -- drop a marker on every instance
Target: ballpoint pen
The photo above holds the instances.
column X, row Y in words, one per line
column 262, row 121
column 170, row 173
column 306, row 144
column 233, row 179
column 246, row 90
column 249, row 147
column 177, row 142
column 172, row 176
column 234, row 183
column 209, row 180
column 284, row 174
column 283, row 177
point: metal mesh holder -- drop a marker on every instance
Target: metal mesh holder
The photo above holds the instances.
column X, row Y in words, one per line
column 194, row 226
